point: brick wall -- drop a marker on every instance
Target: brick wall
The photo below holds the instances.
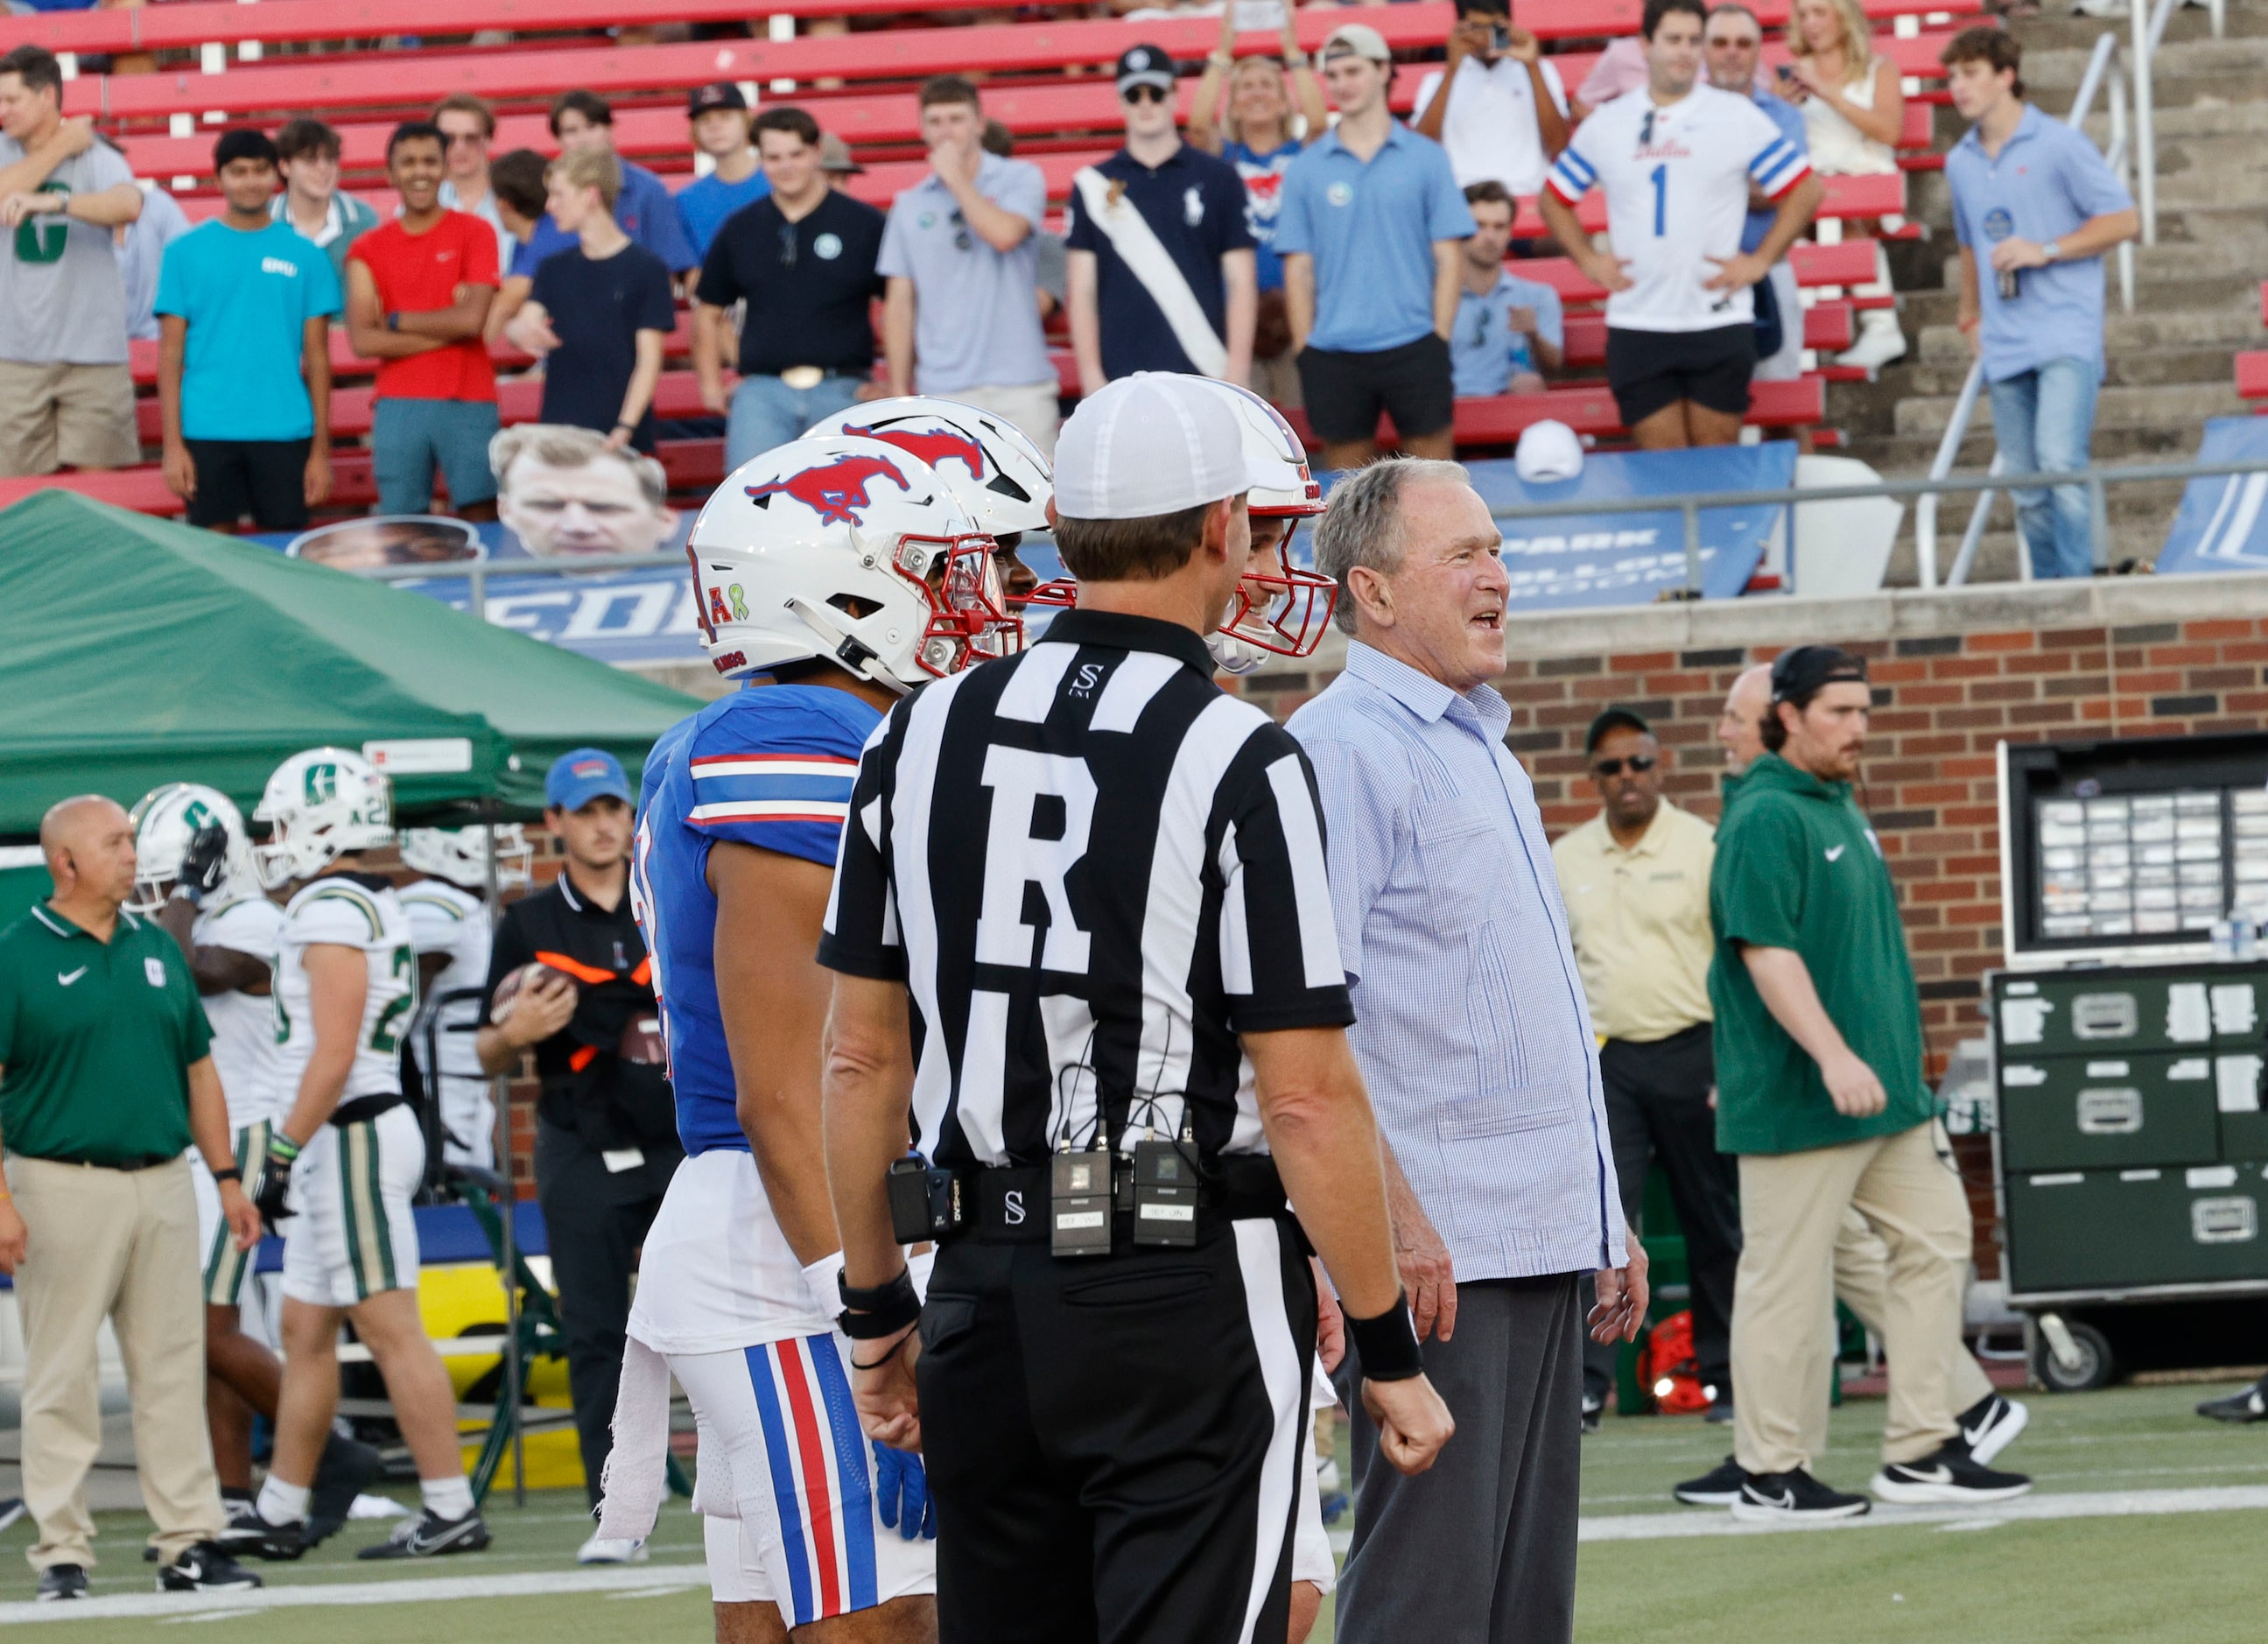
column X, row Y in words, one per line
column 1943, row 700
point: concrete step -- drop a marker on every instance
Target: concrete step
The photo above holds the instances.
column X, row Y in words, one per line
column 1942, row 371
column 1907, row 454
column 2182, row 405
column 2059, row 30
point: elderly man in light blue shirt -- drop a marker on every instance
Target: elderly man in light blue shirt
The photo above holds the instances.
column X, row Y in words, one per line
column 1474, row 1038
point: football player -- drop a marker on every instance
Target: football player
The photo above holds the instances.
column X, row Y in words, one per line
column 840, row 574
column 449, row 926
column 346, row 1154
column 194, row 875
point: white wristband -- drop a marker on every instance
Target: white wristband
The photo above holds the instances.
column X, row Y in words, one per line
column 823, row 1280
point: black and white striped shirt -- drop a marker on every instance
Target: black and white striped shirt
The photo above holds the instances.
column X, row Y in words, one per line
column 1092, row 870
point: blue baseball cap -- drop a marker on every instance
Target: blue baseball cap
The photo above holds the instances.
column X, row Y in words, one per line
column 588, row 773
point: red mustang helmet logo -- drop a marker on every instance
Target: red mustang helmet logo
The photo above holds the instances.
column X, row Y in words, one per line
column 836, row 490
column 933, row 447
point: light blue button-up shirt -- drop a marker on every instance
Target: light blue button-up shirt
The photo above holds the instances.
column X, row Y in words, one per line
column 1470, row 1026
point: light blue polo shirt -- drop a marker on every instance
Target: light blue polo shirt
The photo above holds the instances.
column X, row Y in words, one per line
column 976, row 313
column 1485, row 350
column 2046, row 181
column 247, row 298
column 1369, row 227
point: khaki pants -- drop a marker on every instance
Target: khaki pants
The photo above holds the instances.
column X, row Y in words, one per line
column 54, row 415
column 1034, row 411
column 121, row 1243
column 1792, row 1207
column 1862, row 1263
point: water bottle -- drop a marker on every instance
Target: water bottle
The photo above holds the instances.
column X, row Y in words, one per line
column 2224, row 938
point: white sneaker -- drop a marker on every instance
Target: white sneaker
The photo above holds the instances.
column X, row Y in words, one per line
column 604, row 1550
column 1880, row 341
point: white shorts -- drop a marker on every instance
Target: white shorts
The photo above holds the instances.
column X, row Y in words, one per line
column 714, row 1272
column 225, row 1267
column 467, row 1122
column 1311, row 1542
column 777, row 1419
column 351, row 1233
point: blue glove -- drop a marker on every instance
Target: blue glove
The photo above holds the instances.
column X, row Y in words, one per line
column 902, row 1494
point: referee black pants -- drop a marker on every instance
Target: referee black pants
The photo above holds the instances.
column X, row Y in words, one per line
column 1114, row 1442
column 1657, row 1100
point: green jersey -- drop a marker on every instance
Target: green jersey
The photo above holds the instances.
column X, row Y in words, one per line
column 1798, row 867
column 96, row 1039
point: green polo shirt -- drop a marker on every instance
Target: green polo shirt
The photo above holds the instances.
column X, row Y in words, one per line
column 1798, row 867
column 96, row 1039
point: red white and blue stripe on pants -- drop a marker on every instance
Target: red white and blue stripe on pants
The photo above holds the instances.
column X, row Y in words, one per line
column 819, row 1476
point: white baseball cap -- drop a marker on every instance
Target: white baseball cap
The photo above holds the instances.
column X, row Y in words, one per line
column 1156, row 442
column 1548, row 449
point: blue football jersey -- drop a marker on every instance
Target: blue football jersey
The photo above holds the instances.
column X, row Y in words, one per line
column 770, row 766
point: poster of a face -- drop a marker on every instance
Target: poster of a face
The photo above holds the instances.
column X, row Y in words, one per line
column 563, row 492
column 409, row 539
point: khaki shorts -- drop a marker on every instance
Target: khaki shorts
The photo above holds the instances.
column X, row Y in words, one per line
column 52, row 416
column 1033, row 410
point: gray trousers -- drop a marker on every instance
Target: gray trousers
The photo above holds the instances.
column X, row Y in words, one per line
column 1480, row 1548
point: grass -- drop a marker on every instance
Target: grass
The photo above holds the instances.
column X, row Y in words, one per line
column 2193, row 1577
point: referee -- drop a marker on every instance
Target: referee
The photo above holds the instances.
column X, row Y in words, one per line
column 1094, row 885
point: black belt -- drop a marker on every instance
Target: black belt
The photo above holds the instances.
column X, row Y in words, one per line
column 1012, row 1200
column 363, row 1108
column 142, row 1162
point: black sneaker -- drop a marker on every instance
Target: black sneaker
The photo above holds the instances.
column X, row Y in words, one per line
column 1720, row 1487
column 254, row 1536
column 205, row 1568
column 429, row 1535
column 1793, row 1498
column 62, row 1583
column 1946, row 1477
column 1989, row 1426
column 1593, row 1410
column 346, row 1469
column 2251, row 1404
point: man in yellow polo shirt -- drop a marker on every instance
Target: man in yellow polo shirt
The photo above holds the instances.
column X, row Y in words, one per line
column 1635, row 880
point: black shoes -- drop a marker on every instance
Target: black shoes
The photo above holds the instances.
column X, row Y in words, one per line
column 1794, row 1497
column 253, row 1536
column 1947, row 1478
column 429, row 1536
column 345, row 1471
column 204, row 1568
column 1593, row 1408
column 1989, row 1426
column 59, row 1583
column 1721, row 1487
column 2251, row 1404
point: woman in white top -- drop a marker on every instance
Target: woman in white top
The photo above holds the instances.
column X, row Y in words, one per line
column 1854, row 111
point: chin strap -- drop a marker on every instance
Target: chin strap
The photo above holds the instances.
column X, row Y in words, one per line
column 843, row 647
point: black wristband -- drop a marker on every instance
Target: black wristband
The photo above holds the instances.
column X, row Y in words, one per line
column 230, row 1175
column 870, row 1314
column 1386, row 1345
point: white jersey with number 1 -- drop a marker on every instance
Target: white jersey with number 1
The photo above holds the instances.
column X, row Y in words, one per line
column 1676, row 180
column 348, row 910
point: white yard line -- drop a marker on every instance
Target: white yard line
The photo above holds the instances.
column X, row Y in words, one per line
column 2104, row 1504
column 427, row 1589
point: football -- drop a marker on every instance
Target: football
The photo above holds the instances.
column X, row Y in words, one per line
column 508, row 990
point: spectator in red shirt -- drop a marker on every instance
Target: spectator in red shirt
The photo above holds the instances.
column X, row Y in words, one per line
column 418, row 291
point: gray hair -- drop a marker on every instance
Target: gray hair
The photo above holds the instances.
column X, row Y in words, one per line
column 557, row 446
column 1363, row 524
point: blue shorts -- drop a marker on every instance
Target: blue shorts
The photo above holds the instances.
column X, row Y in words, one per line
column 409, row 439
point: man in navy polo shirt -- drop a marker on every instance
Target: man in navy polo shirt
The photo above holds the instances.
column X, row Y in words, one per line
column 1368, row 231
column 2042, row 205
column 1161, row 270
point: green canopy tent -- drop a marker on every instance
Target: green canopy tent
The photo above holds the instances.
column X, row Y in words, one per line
column 134, row 651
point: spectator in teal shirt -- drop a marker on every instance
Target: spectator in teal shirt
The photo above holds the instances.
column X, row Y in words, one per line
column 244, row 367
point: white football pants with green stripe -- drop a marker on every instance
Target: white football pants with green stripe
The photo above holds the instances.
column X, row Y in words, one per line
column 351, row 1233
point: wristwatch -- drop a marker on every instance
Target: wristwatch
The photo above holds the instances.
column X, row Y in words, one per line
column 2053, row 251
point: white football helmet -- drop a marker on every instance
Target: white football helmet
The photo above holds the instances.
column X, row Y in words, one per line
column 461, row 855
column 165, row 820
column 318, row 806
column 1002, row 478
column 849, row 550
column 1281, row 613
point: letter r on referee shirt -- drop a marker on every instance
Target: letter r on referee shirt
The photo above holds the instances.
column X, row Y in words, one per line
column 1020, row 849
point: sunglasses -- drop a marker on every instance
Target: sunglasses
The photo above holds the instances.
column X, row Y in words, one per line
column 1143, row 94
column 787, row 244
column 1638, row 763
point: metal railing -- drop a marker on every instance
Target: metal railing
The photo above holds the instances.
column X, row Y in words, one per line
column 1688, row 506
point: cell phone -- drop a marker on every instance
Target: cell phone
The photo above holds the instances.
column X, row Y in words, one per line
column 1783, row 72
column 1499, row 37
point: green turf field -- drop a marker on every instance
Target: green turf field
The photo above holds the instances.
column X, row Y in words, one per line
column 2189, row 1575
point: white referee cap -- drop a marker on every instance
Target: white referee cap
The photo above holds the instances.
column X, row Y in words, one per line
column 1154, row 443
